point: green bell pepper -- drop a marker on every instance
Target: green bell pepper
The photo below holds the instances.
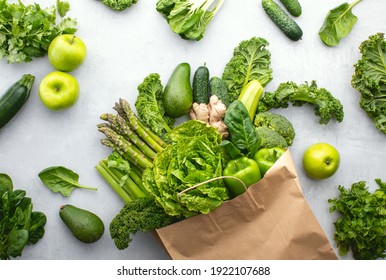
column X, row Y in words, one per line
column 243, row 168
column 266, row 157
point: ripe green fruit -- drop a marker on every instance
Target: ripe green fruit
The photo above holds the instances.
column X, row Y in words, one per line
column 58, row 90
column 321, row 161
column 178, row 96
column 67, row 52
column 84, row 225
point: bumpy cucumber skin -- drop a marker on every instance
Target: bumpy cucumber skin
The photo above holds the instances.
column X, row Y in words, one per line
column 282, row 20
column 14, row 98
column 219, row 88
column 293, row 7
column 200, row 85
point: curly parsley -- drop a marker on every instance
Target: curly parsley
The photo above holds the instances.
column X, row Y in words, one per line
column 27, row 30
column 362, row 224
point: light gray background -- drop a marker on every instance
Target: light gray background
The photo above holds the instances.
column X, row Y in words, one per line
column 125, row 47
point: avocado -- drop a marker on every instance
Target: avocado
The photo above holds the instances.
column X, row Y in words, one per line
column 178, row 95
column 84, row 225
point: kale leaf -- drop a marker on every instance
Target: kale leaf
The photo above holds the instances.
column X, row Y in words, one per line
column 251, row 61
column 326, row 106
column 370, row 79
column 141, row 214
column 150, row 107
column 26, row 31
column 361, row 226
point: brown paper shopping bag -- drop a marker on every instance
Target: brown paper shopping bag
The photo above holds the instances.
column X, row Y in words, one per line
column 270, row 221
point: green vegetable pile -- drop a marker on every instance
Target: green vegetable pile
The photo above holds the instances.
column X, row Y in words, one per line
column 189, row 18
column 19, row 225
column 361, row 226
column 369, row 79
column 27, row 30
column 119, row 5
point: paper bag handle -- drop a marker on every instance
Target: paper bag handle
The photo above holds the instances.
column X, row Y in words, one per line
column 208, row 181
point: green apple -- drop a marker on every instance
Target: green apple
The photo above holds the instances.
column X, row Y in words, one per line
column 321, row 161
column 66, row 52
column 58, row 90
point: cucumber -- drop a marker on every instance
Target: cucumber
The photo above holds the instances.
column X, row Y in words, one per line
column 282, row 20
column 200, row 85
column 14, row 98
column 293, row 7
column 219, row 88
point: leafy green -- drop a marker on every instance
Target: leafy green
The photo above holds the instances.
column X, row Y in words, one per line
column 27, row 30
column 338, row 24
column 251, row 61
column 141, row 214
column 326, row 106
column 277, row 123
column 189, row 18
column 241, row 130
column 150, row 107
column 119, row 5
column 63, row 7
column 361, row 226
column 19, row 225
column 193, row 157
column 61, row 179
column 370, row 79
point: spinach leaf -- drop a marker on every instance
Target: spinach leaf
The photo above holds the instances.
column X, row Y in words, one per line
column 241, row 129
column 61, row 179
column 5, row 184
column 338, row 24
column 19, row 225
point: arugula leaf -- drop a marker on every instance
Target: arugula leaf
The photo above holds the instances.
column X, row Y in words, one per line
column 63, row 7
column 361, row 227
column 338, row 24
column 27, row 30
column 61, row 179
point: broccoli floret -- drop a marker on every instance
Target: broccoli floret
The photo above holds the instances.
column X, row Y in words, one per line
column 325, row 105
column 269, row 138
column 278, row 123
column 142, row 214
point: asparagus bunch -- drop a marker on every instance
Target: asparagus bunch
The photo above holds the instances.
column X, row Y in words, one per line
column 134, row 147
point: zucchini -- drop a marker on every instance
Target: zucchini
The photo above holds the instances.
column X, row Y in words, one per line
column 219, row 88
column 14, row 98
column 293, row 7
column 282, row 20
column 200, row 85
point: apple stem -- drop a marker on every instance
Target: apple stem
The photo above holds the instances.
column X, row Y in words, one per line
column 73, row 39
